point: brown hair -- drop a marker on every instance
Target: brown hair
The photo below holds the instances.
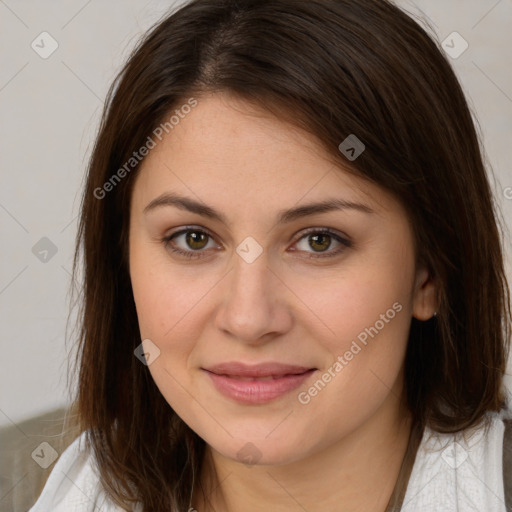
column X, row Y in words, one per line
column 332, row 68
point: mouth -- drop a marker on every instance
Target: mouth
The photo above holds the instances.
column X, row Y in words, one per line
column 269, row 377
column 270, row 370
column 257, row 384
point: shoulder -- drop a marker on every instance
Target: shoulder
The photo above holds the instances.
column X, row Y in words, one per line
column 465, row 470
column 74, row 483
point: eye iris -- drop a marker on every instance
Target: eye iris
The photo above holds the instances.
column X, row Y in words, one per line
column 193, row 238
column 320, row 239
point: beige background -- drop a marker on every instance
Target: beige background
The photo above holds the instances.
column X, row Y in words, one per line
column 50, row 109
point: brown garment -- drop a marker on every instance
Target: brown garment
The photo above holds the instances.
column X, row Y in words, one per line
column 507, row 464
column 397, row 497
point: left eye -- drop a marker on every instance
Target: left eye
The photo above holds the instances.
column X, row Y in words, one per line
column 320, row 240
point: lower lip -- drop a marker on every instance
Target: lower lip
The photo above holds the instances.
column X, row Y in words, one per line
column 257, row 391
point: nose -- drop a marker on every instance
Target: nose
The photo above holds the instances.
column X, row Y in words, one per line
column 254, row 308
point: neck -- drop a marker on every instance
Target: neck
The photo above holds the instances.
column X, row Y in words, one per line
column 359, row 472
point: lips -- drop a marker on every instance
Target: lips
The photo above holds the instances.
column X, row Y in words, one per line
column 257, row 384
column 257, row 372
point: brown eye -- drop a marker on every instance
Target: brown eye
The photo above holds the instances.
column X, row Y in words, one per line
column 196, row 239
column 320, row 241
column 188, row 242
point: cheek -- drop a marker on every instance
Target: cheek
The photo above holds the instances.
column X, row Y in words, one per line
column 172, row 310
column 371, row 321
column 164, row 312
column 349, row 301
column 164, row 297
column 367, row 307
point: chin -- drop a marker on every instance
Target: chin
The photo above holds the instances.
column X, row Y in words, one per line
column 266, row 445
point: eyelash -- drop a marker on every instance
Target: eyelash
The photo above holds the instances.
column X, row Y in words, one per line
column 197, row 254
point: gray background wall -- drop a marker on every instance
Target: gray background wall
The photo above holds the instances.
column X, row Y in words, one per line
column 50, row 108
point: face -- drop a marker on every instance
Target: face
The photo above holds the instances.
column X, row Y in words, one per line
column 317, row 301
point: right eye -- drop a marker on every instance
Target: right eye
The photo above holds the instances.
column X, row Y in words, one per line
column 193, row 241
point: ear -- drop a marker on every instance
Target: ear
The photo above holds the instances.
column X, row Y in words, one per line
column 425, row 295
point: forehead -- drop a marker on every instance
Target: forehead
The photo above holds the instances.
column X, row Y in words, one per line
column 228, row 152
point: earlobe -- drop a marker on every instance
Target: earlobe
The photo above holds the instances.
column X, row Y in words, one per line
column 425, row 296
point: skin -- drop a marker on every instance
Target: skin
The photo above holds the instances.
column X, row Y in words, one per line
column 341, row 451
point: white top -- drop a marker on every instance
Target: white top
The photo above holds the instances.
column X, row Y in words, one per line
column 460, row 472
column 74, row 484
column 452, row 473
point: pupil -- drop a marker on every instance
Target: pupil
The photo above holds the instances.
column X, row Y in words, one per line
column 194, row 237
column 322, row 238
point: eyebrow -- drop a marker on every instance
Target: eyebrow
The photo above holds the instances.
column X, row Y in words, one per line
column 284, row 216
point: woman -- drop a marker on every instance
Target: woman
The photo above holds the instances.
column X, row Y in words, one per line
column 294, row 288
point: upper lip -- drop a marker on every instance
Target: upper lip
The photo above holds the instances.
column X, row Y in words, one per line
column 271, row 369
